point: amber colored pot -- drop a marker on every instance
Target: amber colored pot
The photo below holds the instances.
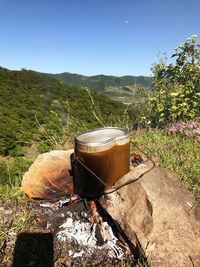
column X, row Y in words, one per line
column 104, row 152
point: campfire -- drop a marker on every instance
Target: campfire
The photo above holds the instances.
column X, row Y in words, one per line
column 83, row 228
column 75, row 216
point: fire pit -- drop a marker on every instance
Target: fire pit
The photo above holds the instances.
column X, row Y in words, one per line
column 77, row 220
column 84, row 233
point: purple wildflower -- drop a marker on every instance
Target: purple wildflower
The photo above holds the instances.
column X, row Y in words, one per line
column 189, row 129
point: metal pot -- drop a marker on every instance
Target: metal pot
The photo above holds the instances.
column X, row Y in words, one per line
column 101, row 158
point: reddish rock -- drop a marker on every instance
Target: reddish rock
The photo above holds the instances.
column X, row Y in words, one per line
column 49, row 176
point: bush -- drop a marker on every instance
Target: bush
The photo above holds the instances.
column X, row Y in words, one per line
column 175, row 86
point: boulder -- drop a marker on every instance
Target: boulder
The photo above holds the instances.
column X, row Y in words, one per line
column 49, row 177
column 160, row 212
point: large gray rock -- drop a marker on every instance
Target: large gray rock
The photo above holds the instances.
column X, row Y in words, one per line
column 161, row 212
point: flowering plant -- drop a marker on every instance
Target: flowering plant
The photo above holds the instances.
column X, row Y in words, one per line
column 189, row 129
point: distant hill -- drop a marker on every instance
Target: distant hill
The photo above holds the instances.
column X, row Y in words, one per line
column 109, row 85
column 34, row 106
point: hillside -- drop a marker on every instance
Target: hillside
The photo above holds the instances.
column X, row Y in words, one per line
column 112, row 86
column 34, row 107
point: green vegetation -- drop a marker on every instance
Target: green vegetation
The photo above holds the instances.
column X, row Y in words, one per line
column 118, row 88
column 175, row 152
column 176, row 86
column 35, row 108
column 11, row 171
column 101, row 82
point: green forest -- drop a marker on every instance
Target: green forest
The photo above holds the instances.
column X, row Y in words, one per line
column 35, row 107
column 122, row 88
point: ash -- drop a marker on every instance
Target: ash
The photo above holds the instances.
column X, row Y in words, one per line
column 73, row 226
column 87, row 236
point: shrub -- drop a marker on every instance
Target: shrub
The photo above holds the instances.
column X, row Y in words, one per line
column 175, row 86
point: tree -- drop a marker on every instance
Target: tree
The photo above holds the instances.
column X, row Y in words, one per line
column 175, row 94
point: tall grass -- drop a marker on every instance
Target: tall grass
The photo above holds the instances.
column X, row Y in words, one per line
column 175, row 152
column 11, row 172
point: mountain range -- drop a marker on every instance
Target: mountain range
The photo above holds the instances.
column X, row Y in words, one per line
column 112, row 86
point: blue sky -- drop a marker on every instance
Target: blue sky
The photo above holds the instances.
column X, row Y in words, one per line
column 113, row 37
